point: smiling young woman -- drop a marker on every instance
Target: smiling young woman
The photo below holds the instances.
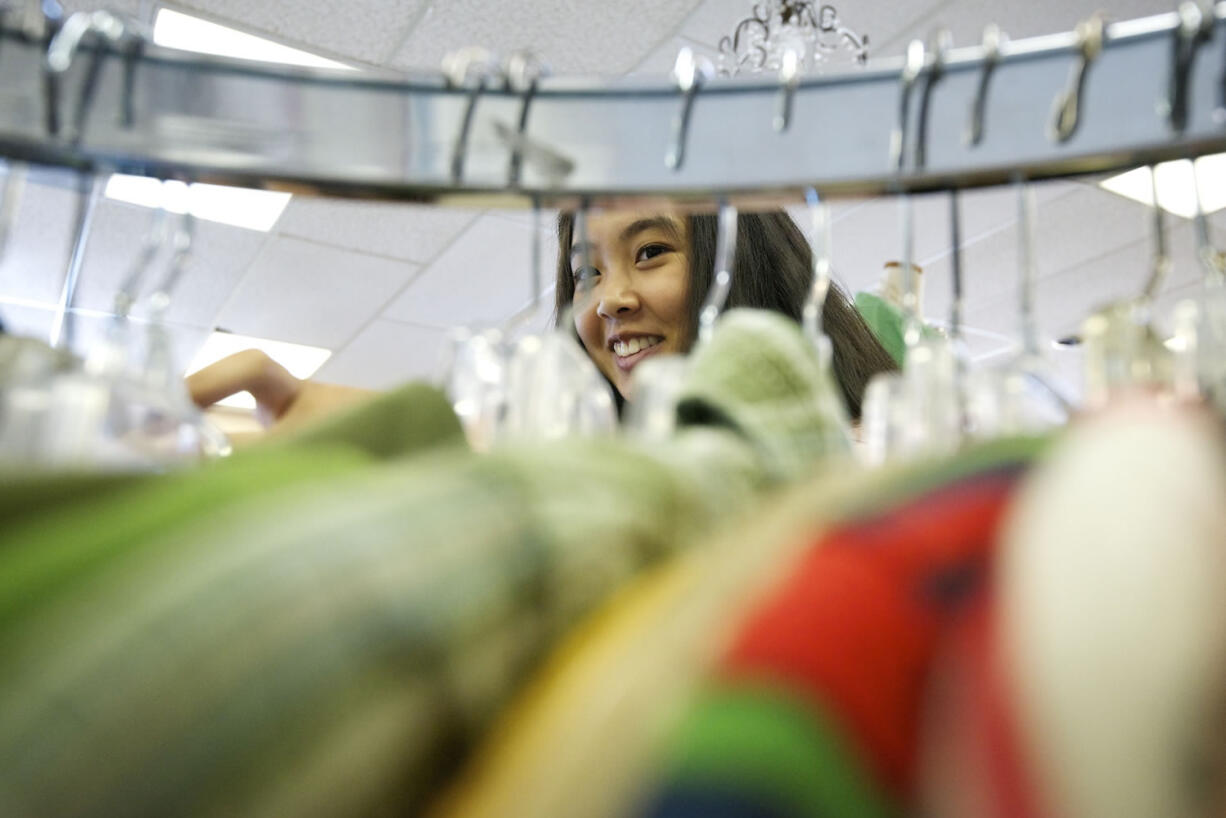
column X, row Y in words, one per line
column 638, row 294
column 637, row 284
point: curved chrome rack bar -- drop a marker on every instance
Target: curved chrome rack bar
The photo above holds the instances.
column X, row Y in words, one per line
column 167, row 113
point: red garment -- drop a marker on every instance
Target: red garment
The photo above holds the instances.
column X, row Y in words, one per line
column 976, row 765
column 856, row 627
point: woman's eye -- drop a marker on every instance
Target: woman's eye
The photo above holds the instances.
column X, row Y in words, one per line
column 585, row 275
column 651, row 251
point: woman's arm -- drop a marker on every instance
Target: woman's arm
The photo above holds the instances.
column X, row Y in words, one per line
column 285, row 401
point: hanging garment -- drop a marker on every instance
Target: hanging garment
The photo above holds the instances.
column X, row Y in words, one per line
column 334, row 642
column 972, row 762
column 887, row 323
column 329, row 647
column 400, row 423
column 1112, row 616
column 834, row 663
column 761, row 378
column 583, row 739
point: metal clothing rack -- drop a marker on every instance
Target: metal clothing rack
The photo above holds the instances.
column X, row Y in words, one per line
column 138, row 108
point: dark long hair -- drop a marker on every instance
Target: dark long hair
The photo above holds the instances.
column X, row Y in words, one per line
column 773, row 270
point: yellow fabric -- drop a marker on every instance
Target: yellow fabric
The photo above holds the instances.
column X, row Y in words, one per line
column 493, row 781
column 578, row 740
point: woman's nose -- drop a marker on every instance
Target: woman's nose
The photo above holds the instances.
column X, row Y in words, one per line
column 618, row 300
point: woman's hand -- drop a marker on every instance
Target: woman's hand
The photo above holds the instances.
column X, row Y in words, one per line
column 284, row 401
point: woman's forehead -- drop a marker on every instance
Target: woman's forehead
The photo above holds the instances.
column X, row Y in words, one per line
column 607, row 228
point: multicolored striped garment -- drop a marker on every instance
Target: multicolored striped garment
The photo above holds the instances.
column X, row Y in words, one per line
column 814, row 710
column 583, row 738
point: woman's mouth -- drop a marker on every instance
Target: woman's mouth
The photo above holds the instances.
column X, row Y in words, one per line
column 627, row 353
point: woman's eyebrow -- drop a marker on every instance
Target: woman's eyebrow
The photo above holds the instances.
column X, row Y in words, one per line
column 581, row 247
column 662, row 223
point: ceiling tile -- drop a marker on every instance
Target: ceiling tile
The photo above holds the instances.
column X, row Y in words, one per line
column 659, row 63
column 542, row 319
column 573, row 36
column 219, row 257
column 33, row 264
column 385, row 354
column 132, row 8
column 981, row 342
column 869, row 234
column 481, row 279
column 1073, row 229
column 364, row 30
column 548, row 218
column 1065, row 298
column 966, row 19
column 409, row 232
column 312, row 294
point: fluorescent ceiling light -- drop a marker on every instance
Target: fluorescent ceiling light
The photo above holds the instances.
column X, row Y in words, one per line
column 302, row 361
column 174, row 29
column 1176, row 186
column 237, row 206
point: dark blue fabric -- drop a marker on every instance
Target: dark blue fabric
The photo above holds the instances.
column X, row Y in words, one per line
column 705, row 801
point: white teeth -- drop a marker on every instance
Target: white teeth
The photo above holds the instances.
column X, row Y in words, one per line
column 625, row 349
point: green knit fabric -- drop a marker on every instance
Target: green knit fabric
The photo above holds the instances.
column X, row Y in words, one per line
column 312, row 627
column 757, row 741
column 761, row 378
column 302, row 630
column 409, row 419
column 351, row 633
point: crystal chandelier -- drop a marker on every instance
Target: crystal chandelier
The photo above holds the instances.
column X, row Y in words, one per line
column 813, row 32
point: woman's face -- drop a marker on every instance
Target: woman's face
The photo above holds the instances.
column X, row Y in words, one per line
column 630, row 299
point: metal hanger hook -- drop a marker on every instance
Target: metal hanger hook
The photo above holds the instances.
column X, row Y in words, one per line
column 182, row 239
column 1212, row 260
column 1161, row 267
column 993, row 38
column 823, row 268
column 955, row 263
column 522, row 73
column 690, row 73
column 721, row 283
column 61, row 53
column 913, row 65
column 942, row 42
column 155, row 239
column 1091, row 36
column 467, row 68
column 789, row 78
column 1194, row 29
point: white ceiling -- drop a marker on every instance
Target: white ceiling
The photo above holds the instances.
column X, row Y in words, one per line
column 380, row 284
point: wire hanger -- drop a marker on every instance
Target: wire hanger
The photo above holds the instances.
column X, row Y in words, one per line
column 1199, row 340
column 657, row 382
column 829, row 400
column 554, row 390
column 1019, row 396
column 918, row 410
column 884, row 412
column 110, row 410
column 721, row 283
column 1123, row 351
